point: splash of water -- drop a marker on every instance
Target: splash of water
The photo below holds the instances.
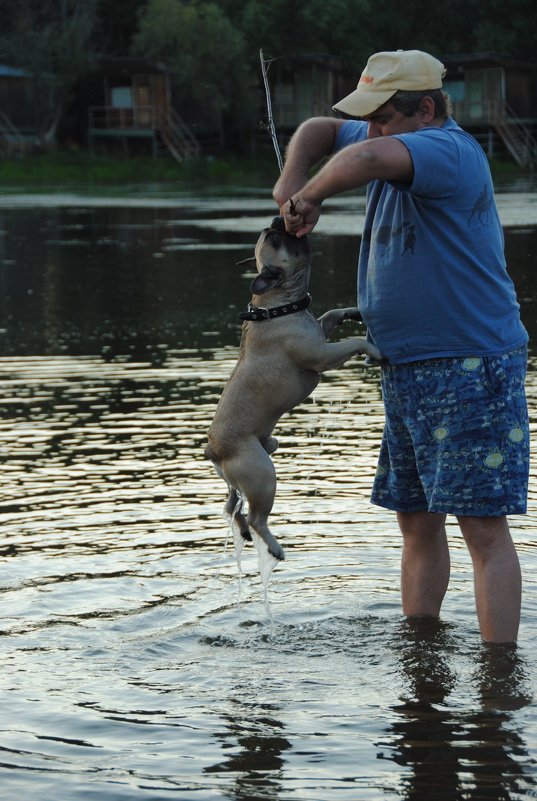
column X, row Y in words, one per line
column 266, row 561
column 238, row 546
column 238, row 540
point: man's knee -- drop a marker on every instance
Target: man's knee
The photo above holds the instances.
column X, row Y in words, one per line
column 485, row 534
column 421, row 525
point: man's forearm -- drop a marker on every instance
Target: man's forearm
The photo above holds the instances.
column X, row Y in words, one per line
column 349, row 169
column 356, row 165
column 385, row 158
column 312, row 141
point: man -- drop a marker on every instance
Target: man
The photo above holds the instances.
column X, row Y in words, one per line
column 434, row 291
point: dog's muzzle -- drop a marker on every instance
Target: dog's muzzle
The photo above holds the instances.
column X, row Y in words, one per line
column 277, row 224
column 277, row 235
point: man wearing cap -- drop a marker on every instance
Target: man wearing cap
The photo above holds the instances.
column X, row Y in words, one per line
column 434, row 292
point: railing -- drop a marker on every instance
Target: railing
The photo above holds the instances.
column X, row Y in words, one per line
column 137, row 117
column 176, row 135
column 516, row 136
column 173, row 131
column 476, row 111
column 11, row 139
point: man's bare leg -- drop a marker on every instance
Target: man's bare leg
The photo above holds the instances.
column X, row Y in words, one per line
column 497, row 579
column 425, row 562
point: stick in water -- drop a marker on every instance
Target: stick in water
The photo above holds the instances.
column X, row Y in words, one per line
column 272, row 129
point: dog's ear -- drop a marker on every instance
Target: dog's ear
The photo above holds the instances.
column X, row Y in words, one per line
column 268, row 278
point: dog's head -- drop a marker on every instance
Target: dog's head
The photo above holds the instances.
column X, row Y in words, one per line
column 281, row 259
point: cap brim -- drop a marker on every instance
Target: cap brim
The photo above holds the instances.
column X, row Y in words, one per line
column 360, row 103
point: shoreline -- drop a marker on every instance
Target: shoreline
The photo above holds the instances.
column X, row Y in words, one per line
column 81, row 171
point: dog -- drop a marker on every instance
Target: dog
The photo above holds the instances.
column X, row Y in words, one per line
column 283, row 352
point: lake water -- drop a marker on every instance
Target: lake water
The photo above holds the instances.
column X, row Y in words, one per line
column 136, row 663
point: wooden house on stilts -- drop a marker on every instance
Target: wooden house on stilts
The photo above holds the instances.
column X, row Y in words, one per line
column 129, row 106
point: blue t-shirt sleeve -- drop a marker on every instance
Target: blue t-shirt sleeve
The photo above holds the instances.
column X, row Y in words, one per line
column 351, row 132
column 436, row 160
column 436, row 157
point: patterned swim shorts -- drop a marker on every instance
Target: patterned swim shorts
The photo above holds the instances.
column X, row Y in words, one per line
column 456, row 436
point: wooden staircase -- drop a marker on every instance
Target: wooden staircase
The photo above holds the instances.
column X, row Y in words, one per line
column 165, row 129
column 12, row 141
column 516, row 136
column 177, row 136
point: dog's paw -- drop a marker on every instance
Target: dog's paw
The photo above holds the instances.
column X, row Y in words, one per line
column 374, row 357
column 277, row 552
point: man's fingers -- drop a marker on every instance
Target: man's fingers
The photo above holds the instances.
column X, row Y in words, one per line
column 293, row 224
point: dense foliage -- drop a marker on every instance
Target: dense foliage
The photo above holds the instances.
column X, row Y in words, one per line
column 211, row 48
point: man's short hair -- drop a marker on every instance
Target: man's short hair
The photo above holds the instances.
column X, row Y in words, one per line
column 408, row 102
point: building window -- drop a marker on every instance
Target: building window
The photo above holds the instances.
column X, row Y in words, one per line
column 121, row 97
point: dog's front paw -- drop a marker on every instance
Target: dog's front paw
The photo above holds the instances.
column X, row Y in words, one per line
column 330, row 319
column 374, row 357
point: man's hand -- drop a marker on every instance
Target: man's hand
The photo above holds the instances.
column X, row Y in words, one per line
column 311, row 143
column 300, row 215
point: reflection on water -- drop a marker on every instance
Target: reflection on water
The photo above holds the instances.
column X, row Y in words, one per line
column 470, row 754
column 131, row 667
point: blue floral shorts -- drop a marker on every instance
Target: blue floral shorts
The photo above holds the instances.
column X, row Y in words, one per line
column 456, row 436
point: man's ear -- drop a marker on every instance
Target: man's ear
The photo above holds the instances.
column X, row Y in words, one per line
column 427, row 109
column 268, row 278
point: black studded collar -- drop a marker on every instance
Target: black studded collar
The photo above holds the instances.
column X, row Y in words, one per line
column 259, row 313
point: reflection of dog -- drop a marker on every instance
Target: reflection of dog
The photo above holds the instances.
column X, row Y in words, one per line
column 283, row 351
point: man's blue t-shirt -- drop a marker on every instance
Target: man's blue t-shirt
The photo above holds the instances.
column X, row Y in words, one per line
column 432, row 278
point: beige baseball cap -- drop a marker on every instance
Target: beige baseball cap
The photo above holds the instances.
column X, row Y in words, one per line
column 388, row 72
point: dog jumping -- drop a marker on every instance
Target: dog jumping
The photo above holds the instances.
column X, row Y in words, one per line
column 283, row 352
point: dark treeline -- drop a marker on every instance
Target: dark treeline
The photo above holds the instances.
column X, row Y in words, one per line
column 211, row 48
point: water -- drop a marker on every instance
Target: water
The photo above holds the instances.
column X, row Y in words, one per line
column 136, row 662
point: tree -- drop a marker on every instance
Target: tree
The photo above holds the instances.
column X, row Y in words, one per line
column 298, row 27
column 52, row 40
column 203, row 51
column 116, row 25
column 465, row 26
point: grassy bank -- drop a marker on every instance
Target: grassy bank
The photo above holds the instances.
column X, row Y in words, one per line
column 59, row 171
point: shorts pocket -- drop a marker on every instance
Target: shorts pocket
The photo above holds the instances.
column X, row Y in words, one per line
column 494, row 374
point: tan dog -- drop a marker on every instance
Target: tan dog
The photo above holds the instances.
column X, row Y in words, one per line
column 283, row 352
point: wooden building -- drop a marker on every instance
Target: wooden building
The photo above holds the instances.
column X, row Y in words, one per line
column 21, row 118
column 494, row 97
column 305, row 86
column 129, row 106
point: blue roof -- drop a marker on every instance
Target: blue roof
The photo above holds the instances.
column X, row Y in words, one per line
column 11, row 72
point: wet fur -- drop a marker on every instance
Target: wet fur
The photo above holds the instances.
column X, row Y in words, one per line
column 280, row 363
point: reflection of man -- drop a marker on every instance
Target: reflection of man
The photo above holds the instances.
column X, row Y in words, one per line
column 475, row 751
column 444, row 313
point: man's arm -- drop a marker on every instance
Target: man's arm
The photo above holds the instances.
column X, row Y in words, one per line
column 384, row 158
column 313, row 141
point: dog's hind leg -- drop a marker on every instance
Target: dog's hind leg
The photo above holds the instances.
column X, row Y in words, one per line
column 252, row 472
column 233, row 510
